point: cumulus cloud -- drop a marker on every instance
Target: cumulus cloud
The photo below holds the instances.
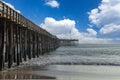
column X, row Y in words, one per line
column 107, row 16
column 11, row 6
column 60, row 28
column 52, row 3
column 92, row 32
column 110, row 28
column 66, row 29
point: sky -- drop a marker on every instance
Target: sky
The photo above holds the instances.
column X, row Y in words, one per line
column 90, row 21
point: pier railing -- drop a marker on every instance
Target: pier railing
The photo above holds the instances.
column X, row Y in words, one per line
column 13, row 15
column 21, row 39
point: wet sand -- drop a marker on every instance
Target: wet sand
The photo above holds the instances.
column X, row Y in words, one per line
column 23, row 73
column 64, row 72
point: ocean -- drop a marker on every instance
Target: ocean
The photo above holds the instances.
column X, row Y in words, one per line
column 83, row 54
column 81, row 62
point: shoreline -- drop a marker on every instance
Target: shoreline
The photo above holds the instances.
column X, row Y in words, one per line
column 63, row 72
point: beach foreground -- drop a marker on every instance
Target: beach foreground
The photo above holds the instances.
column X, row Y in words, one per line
column 64, row 72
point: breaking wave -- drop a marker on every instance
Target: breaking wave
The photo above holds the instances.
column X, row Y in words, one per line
column 85, row 55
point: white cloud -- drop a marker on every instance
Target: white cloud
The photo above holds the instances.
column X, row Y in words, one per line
column 11, row 6
column 92, row 32
column 107, row 16
column 111, row 28
column 60, row 28
column 66, row 29
column 52, row 3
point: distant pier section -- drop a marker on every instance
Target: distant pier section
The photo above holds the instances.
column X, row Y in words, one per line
column 69, row 42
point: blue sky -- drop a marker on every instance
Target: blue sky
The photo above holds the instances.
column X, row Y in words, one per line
column 82, row 19
column 37, row 10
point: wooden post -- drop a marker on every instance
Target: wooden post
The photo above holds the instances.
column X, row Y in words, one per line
column 33, row 41
column 14, row 41
column 18, row 48
column 34, row 38
column 4, row 42
column 2, row 24
column 25, row 44
column 20, row 42
column 29, row 44
column 40, row 44
column 37, row 44
column 10, row 53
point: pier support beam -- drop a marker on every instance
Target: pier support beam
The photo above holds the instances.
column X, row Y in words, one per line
column 10, row 50
column 2, row 42
column 18, row 45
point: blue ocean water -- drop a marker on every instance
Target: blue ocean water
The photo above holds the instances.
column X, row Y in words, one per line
column 83, row 54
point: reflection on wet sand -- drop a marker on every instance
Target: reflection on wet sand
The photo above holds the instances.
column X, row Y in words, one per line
column 24, row 72
column 22, row 75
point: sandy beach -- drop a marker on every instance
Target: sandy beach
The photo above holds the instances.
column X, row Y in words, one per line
column 64, row 72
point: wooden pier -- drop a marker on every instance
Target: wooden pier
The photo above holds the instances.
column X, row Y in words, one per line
column 21, row 39
column 69, row 42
